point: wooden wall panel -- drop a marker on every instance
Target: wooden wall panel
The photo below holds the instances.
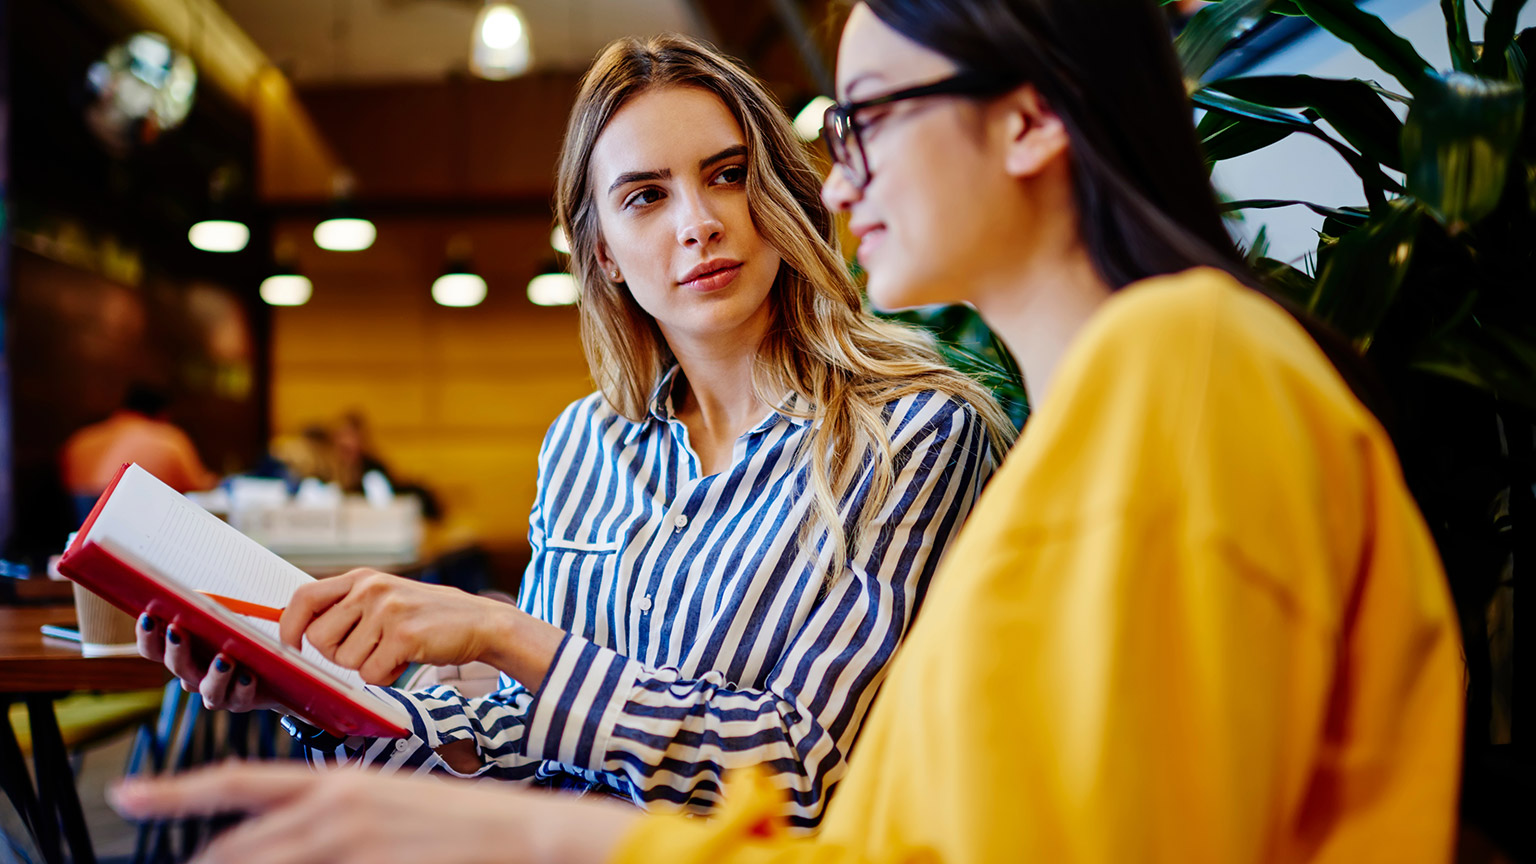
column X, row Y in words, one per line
column 457, row 399
column 461, row 139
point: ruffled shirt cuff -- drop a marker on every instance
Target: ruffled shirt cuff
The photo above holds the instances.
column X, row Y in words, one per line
column 579, row 703
column 437, row 713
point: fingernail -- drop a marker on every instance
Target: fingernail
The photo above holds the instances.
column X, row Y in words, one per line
column 245, row 679
column 220, row 663
column 173, row 636
column 146, row 623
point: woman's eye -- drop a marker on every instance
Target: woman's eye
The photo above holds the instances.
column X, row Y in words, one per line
column 642, row 197
column 733, row 175
column 870, row 119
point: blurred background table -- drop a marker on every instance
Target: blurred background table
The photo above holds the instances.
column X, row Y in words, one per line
column 38, row 671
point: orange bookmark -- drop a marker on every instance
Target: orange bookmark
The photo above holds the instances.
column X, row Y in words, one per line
column 242, row 607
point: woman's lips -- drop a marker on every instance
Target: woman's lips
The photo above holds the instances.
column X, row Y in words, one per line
column 714, row 281
column 870, row 241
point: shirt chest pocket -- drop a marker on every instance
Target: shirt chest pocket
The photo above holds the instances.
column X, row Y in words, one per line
column 569, row 573
column 581, row 545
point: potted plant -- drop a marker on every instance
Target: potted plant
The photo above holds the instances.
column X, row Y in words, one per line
column 1433, row 278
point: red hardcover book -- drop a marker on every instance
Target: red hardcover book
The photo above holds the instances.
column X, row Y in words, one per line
column 145, row 547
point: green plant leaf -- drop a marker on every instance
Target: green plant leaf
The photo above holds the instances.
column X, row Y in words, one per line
column 1284, row 280
column 969, row 346
column 1496, row 361
column 1375, row 183
column 1352, row 107
column 1347, row 214
column 1462, row 56
column 1210, row 31
column 1458, row 142
column 1498, row 33
column 1370, row 37
column 1361, row 273
column 1223, row 136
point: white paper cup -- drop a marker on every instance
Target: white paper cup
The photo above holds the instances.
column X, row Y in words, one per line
column 105, row 630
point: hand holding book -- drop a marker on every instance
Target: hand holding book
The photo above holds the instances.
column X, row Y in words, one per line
column 151, row 552
column 222, row 686
column 364, row 620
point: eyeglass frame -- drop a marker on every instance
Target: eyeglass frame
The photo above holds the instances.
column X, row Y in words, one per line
column 842, row 114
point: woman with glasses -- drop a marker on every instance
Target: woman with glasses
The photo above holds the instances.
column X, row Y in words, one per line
column 1196, row 617
column 731, row 536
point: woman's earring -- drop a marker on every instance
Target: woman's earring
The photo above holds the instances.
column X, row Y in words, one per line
column 615, row 275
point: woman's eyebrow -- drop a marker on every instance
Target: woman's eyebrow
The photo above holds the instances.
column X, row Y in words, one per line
column 862, row 78
column 731, row 152
column 636, row 176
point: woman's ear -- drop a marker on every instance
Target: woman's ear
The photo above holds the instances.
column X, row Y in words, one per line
column 605, row 262
column 1035, row 135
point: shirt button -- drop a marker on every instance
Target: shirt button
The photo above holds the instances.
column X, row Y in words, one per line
column 681, row 521
column 644, row 604
column 402, row 744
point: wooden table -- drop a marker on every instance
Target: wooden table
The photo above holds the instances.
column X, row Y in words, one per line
column 30, row 663
column 38, row 671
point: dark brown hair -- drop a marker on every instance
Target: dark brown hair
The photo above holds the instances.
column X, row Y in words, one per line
column 1108, row 70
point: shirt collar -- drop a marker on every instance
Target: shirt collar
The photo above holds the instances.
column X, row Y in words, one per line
column 793, row 408
column 661, row 395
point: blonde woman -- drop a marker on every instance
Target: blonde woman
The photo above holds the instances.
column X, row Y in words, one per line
column 732, row 535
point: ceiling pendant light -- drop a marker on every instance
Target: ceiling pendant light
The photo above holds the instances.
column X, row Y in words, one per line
column 286, row 287
column 459, row 289
column 459, row 286
column 553, row 289
column 219, row 232
column 345, row 231
column 500, row 47
column 219, row 235
column 808, row 121
column 345, row 234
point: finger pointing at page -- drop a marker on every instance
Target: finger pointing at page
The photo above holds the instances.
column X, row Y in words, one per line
column 309, row 601
column 376, row 623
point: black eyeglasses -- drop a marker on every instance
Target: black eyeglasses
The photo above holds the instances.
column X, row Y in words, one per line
column 840, row 126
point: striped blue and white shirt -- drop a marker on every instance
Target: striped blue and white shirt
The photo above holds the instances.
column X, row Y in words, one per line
column 704, row 634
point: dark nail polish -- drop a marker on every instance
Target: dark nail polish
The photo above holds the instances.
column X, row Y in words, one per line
column 173, row 636
column 146, row 623
column 221, row 664
column 245, row 679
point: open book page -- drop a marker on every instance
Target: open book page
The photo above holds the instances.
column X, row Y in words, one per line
column 154, row 527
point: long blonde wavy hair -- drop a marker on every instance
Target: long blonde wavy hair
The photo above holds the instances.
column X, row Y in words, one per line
column 822, row 345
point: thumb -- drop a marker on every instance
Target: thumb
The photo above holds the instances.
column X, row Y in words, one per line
column 235, row 787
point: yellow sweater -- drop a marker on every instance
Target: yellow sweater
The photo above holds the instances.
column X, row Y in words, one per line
column 1196, row 617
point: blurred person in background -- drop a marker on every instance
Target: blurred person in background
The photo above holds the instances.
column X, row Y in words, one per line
column 140, row 431
column 1196, row 617
column 355, row 459
column 294, row 458
column 732, row 536
column 353, row 449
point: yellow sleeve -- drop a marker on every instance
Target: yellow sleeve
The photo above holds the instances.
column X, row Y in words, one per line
column 747, row 829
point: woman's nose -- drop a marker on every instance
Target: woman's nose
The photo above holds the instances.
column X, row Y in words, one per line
column 836, row 191
column 700, row 225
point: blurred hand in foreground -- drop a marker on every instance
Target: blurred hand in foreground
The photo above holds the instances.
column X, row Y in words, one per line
column 355, row 817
